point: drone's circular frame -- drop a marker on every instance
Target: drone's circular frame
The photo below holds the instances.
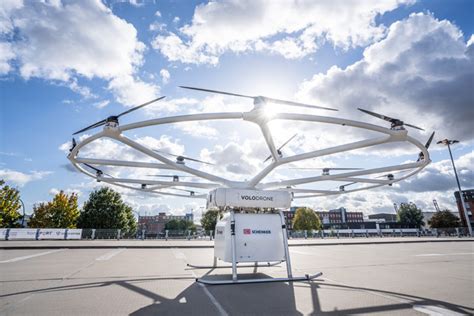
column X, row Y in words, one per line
column 258, row 116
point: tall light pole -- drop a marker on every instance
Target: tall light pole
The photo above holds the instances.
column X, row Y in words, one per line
column 449, row 142
column 23, row 218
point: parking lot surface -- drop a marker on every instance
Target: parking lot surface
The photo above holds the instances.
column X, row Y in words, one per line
column 376, row 279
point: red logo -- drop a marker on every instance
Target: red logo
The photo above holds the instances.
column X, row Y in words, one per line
column 247, row 231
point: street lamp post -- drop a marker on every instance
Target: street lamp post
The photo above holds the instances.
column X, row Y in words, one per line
column 449, row 142
column 23, row 218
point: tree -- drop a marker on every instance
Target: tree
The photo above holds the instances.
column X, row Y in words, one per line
column 444, row 219
column 409, row 215
column 306, row 219
column 9, row 206
column 180, row 224
column 61, row 212
column 105, row 210
column 209, row 220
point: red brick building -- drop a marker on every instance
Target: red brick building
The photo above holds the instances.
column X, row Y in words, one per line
column 333, row 217
column 155, row 224
column 469, row 201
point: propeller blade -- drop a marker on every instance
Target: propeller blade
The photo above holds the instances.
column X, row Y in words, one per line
column 140, row 106
column 389, row 119
column 74, row 144
column 343, row 187
column 289, row 140
column 97, row 124
column 292, row 103
column 427, row 145
column 197, row 160
column 97, row 170
column 184, row 157
column 380, row 116
column 279, row 148
column 267, row 99
column 219, row 92
column 184, row 190
column 413, row 126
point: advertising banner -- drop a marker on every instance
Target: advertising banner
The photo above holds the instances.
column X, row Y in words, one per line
column 22, row 233
column 51, row 233
column 3, row 233
column 74, row 234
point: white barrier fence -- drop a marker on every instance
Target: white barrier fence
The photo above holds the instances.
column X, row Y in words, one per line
column 40, row 234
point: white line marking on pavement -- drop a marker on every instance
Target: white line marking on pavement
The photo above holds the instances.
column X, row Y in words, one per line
column 426, row 309
column 110, row 254
column 179, row 255
column 435, row 310
column 31, row 256
column 445, row 254
column 300, row 252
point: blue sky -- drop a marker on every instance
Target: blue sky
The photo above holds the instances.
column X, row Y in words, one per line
column 74, row 63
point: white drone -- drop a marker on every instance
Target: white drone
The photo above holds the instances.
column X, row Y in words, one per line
column 241, row 199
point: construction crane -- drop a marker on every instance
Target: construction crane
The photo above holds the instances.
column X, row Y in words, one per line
column 435, row 203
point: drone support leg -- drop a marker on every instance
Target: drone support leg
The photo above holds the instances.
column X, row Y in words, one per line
column 232, row 242
column 285, row 245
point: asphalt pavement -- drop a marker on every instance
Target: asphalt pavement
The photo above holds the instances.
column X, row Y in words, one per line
column 430, row 278
column 206, row 243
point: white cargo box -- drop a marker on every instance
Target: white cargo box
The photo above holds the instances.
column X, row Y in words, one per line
column 258, row 238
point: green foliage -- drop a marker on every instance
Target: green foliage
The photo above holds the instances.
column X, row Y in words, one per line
column 9, row 206
column 105, row 210
column 209, row 220
column 180, row 224
column 444, row 219
column 306, row 219
column 61, row 212
column 409, row 215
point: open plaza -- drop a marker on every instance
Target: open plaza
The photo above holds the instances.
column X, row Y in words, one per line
column 405, row 276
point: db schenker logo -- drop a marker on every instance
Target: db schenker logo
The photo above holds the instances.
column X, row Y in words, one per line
column 248, row 231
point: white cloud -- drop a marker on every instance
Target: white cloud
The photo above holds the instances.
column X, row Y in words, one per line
column 439, row 176
column 109, row 149
column 158, row 14
column 101, row 104
column 198, row 129
column 422, row 72
column 20, row 178
column 157, row 26
column 66, row 40
column 132, row 91
column 54, row 191
column 239, row 26
column 6, row 54
column 165, row 76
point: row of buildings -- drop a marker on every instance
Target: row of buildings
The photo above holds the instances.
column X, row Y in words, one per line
column 336, row 219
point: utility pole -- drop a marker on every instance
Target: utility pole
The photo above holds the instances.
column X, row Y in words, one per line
column 23, row 218
column 448, row 143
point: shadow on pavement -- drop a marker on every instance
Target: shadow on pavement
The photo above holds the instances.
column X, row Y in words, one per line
column 254, row 299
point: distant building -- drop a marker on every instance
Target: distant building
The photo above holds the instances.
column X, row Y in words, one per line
column 469, row 199
column 338, row 216
column 386, row 217
column 155, row 224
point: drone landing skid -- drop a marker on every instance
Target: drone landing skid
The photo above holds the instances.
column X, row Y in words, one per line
column 307, row 277
column 269, row 264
